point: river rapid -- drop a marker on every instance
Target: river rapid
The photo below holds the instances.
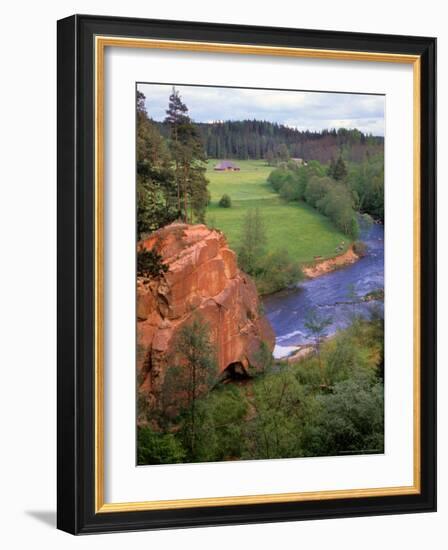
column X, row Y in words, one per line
column 337, row 295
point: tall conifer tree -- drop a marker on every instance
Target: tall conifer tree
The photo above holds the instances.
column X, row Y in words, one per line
column 187, row 150
column 155, row 177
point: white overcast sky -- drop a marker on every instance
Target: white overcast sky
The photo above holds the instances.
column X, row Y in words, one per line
column 301, row 110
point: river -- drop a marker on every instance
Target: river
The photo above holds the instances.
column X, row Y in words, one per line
column 336, row 295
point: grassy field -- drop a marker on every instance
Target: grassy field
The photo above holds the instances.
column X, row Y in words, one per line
column 296, row 227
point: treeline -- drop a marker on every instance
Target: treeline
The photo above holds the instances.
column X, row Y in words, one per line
column 259, row 139
column 338, row 191
column 171, row 182
column 330, row 403
column 314, row 184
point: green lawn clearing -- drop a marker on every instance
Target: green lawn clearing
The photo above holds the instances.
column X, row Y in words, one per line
column 296, row 227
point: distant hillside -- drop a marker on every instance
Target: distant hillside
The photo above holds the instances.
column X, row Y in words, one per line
column 256, row 139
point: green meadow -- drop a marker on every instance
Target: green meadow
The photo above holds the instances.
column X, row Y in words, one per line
column 294, row 226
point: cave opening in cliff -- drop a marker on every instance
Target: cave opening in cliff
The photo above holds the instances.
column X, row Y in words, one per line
column 235, row 372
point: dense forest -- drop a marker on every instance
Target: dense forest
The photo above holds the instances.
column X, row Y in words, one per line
column 259, row 139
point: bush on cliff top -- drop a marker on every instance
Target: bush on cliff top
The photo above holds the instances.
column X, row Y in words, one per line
column 149, row 263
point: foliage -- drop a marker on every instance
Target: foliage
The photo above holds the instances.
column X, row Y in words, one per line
column 286, row 411
column 377, row 294
column 351, row 418
column 225, row 201
column 228, row 408
column 297, row 416
column 342, row 358
column 149, row 263
column 327, row 194
column 337, row 170
column 317, row 325
column 276, row 271
column 252, row 241
column 289, row 183
column 272, row 271
column 366, row 181
column 278, row 177
column 316, row 189
column 158, row 448
column 156, row 203
column 187, row 151
column 340, row 194
column 348, row 414
column 272, row 433
column 337, row 204
column 263, row 359
column 192, row 373
column 281, row 152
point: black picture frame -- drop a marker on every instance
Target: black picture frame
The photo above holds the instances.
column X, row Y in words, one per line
column 76, row 256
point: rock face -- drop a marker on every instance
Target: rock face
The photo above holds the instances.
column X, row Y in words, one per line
column 202, row 279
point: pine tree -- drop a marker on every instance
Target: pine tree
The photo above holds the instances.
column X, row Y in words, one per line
column 187, row 150
column 155, row 177
column 340, row 169
column 176, row 115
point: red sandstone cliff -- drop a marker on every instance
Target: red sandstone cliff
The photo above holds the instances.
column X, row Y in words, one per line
column 202, row 278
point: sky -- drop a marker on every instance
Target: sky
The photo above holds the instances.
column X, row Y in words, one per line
column 302, row 110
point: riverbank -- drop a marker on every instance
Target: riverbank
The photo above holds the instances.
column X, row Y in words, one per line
column 321, row 267
column 295, row 356
column 355, row 289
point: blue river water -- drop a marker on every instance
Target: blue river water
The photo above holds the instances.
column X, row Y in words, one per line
column 336, row 295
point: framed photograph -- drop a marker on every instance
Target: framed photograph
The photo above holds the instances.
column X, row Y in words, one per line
column 246, row 274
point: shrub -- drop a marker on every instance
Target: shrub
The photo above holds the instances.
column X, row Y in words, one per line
column 316, row 189
column 157, row 448
column 351, row 418
column 225, row 201
column 228, row 409
column 278, row 177
column 293, row 188
column 149, row 263
column 289, row 181
column 276, row 271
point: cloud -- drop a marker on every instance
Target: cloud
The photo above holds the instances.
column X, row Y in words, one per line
column 302, row 110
